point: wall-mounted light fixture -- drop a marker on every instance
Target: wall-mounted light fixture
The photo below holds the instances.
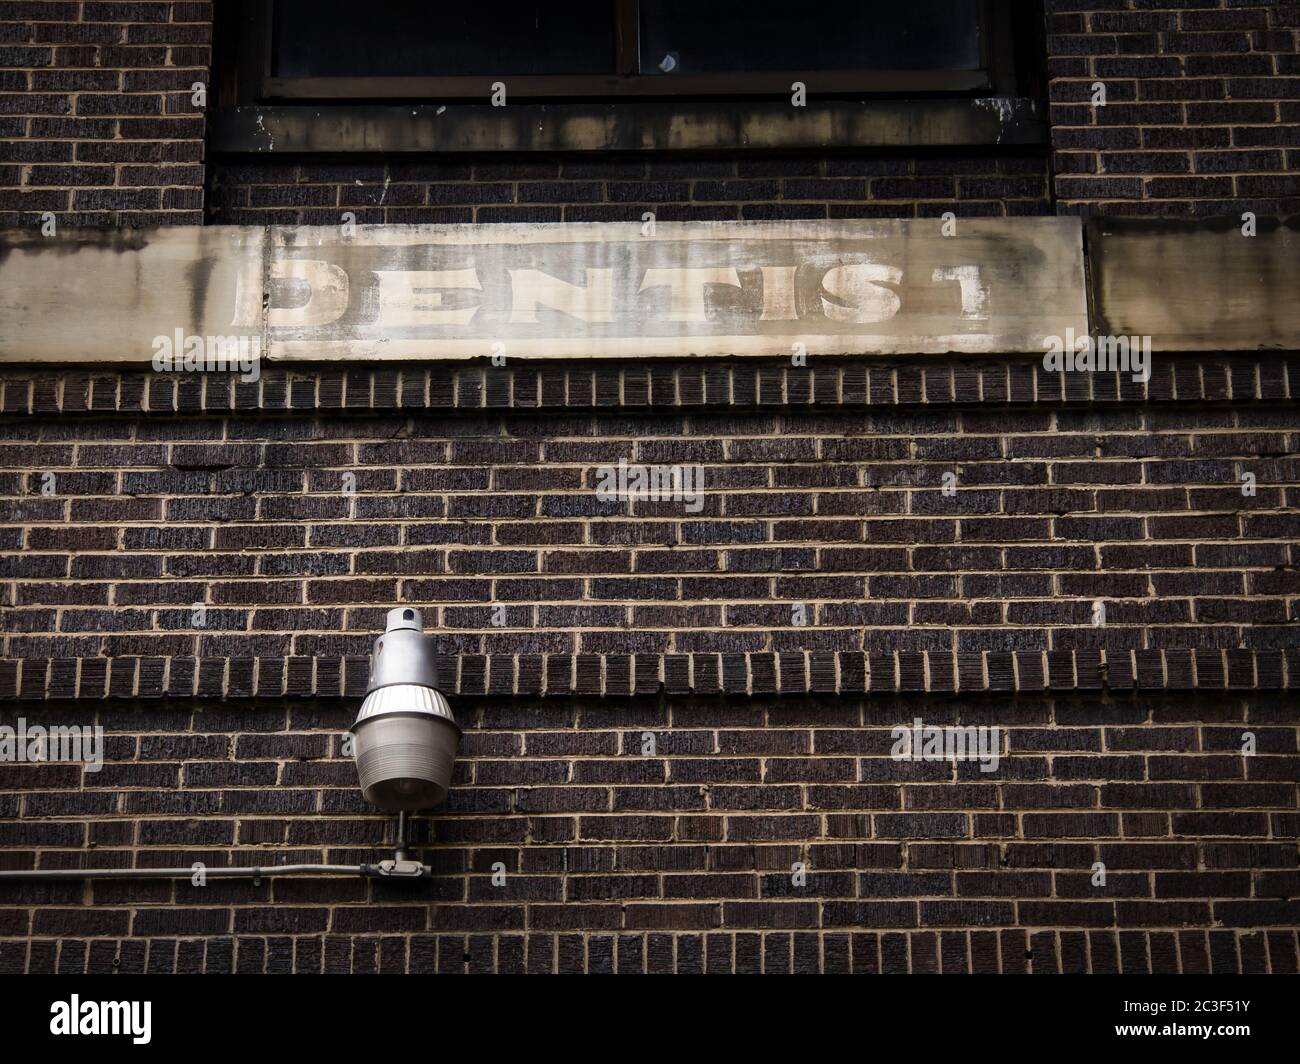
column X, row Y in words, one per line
column 406, row 736
column 406, row 743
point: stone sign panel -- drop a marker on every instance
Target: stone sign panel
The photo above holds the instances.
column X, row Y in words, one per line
column 1226, row 284
column 618, row 290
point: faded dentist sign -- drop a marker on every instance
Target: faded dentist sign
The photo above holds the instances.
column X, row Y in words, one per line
column 583, row 290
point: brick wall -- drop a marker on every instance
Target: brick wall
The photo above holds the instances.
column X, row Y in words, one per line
column 124, row 522
column 680, row 860
column 128, row 498
column 614, row 188
column 97, row 124
column 615, row 860
column 1202, row 112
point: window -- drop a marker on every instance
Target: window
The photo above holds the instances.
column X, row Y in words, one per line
column 421, row 50
column 446, row 41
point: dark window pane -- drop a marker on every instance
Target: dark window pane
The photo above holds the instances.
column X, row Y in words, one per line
column 724, row 36
column 432, row 38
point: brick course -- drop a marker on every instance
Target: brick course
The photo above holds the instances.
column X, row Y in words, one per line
column 613, row 188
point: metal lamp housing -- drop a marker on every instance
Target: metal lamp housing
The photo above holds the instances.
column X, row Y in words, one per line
column 406, row 735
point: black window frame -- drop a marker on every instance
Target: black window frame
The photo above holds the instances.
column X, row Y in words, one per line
column 253, row 82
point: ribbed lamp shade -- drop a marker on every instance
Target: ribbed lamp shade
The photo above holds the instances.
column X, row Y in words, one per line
column 406, row 736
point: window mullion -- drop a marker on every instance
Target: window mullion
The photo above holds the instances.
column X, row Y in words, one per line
column 627, row 33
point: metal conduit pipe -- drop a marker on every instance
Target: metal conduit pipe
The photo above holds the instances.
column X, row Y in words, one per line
column 391, row 869
column 183, row 873
column 400, row 866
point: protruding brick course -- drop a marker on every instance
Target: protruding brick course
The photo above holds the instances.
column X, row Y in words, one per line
column 546, row 385
column 559, row 675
